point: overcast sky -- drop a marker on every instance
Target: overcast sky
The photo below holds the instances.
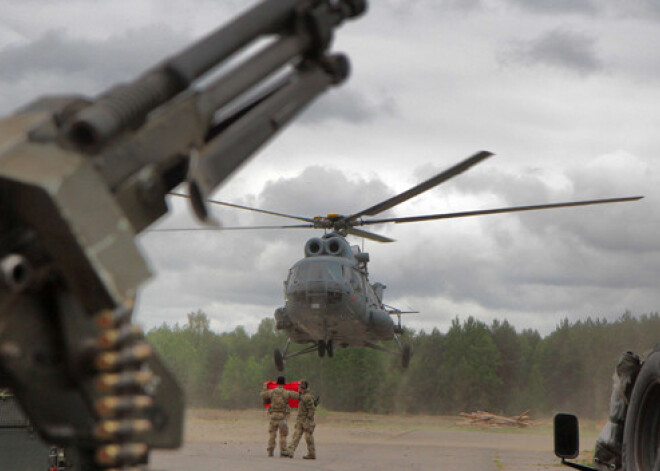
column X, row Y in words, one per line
column 564, row 92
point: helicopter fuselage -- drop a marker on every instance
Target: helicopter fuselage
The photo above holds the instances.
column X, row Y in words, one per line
column 328, row 297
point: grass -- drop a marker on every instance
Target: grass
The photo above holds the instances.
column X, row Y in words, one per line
column 498, row 463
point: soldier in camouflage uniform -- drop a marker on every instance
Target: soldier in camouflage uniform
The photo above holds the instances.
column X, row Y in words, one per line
column 278, row 413
column 304, row 422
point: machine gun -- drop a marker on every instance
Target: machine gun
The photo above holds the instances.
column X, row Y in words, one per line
column 79, row 178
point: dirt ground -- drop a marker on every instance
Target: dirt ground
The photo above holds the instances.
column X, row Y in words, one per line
column 236, row 440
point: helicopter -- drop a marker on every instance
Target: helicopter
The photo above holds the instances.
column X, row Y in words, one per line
column 329, row 300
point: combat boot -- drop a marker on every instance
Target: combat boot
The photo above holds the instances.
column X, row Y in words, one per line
column 286, row 454
column 309, row 456
column 270, row 452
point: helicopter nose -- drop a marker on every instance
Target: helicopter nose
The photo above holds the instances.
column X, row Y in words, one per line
column 318, row 294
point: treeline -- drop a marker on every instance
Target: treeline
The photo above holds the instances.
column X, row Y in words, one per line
column 471, row 366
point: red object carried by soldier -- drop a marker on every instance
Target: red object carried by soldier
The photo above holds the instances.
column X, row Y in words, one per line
column 293, row 403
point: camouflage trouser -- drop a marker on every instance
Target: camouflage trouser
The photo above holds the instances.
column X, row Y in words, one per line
column 274, row 425
column 308, row 430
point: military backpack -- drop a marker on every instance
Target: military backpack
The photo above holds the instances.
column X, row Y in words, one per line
column 277, row 400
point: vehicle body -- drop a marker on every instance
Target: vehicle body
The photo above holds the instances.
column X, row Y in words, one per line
column 21, row 449
column 629, row 441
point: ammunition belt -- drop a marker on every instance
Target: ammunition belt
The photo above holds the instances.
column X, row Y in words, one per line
column 122, row 381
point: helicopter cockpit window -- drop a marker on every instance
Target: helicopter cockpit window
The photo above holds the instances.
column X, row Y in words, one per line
column 317, row 271
column 335, row 272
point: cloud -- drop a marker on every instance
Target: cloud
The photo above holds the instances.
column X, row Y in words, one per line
column 557, row 6
column 350, row 105
column 560, row 48
column 321, row 190
column 426, row 84
column 405, row 8
column 245, row 269
column 640, row 9
column 105, row 61
column 596, row 261
column 57, row 63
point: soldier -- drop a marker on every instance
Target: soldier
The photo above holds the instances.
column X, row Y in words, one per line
column 304, row 422
column 278, row 413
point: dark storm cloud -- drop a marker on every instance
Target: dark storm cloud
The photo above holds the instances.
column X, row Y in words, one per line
column 556, row 6
column 104, row 61
column 560, row 48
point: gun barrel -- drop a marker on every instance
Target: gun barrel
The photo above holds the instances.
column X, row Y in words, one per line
column 126, row 106
column 255, row 126
column 265, row 18
column 268, row 17
column 250, row 73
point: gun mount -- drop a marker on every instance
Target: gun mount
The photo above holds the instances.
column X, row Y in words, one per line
column 80, row 177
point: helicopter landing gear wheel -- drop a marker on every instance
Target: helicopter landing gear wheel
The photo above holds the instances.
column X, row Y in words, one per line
column 406, row 353
column 279, row 359
column 321, row 348
column 640, row 436
column 330, row 347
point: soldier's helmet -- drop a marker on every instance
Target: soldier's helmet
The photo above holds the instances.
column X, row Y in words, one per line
column 281, row 380
column 303, row 384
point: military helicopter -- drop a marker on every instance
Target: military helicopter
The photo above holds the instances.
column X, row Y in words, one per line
column 329, row 300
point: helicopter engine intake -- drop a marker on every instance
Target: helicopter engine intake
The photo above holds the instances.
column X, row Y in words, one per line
column 334, row 246
column 314, row 246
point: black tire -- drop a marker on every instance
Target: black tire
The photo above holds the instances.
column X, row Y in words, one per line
column 279, row 359
column 321, row 348
column 406, row 353
column 641, row 434
column 330, row 347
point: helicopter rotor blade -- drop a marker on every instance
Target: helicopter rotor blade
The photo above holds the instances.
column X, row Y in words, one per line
column 368, row 235
column 248, row 208
column 482, row 212
column 422, row 187
column 232, row 228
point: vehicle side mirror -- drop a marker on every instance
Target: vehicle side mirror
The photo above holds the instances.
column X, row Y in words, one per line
column 567, row 436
